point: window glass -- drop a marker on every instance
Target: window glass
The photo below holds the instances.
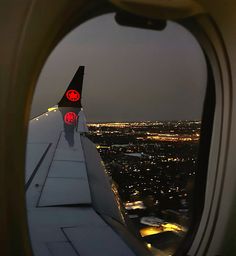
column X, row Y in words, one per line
column 143, row 98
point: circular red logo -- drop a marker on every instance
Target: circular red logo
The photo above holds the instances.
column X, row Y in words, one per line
column 70, row 118
column 72, row 95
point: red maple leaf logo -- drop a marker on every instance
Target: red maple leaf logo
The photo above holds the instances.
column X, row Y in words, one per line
column 72, row 95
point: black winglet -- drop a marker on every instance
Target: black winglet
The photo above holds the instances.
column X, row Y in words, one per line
column 72, row 96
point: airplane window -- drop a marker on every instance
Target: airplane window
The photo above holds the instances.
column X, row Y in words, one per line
column 143, row 98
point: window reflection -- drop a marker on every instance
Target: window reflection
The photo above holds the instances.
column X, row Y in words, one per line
column 70, row 120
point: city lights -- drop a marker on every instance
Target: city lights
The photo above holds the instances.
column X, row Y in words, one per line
column 153, row 165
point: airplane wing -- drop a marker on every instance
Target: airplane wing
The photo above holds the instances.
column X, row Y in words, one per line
column 71, row 208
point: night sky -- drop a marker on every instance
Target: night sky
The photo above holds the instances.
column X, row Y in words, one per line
column 130, row 74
